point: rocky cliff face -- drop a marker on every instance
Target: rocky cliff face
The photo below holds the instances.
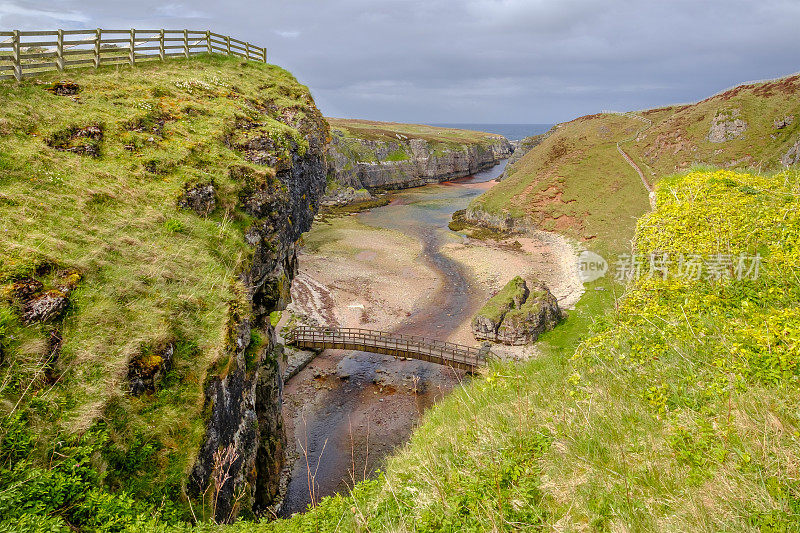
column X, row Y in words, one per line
column 407, row 162
column 240, row 461
column 726, row 126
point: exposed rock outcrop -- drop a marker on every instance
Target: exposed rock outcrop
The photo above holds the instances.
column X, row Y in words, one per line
column 244, row 435
column 81, row 141
column 44, row 307
column 407, row 162
column 146, row 371
column 199, row 197
column 345, row 195
column 37, row 303
column 792, row 156
column 726, row 127
column 781, row 123
column 64, row 88
column 517, row 315
column 499, row 221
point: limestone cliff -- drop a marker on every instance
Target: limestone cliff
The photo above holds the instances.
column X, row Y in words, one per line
column 370, row 155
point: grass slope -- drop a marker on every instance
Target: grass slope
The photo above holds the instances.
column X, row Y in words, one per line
column 577, row 183
column 678, row 412
column 150, row 273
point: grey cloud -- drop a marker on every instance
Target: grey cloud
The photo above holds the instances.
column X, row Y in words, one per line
column 181, row 11
column 482, row 60
column 9, row 10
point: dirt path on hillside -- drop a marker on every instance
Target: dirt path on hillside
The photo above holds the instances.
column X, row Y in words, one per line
column 650, row 192
column 636, row 168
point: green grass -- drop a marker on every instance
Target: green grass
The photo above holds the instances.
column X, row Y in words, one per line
column 396, row 131
column 673, row 411
column 504, row 301
column 150, row 272
column 398, row 155
column 576, row 182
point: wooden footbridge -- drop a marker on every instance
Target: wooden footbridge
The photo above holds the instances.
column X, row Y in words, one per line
column 366, row 340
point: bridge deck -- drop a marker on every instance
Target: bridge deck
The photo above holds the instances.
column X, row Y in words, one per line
column 365, row 340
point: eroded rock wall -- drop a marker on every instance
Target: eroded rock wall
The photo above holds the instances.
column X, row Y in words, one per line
column 371, row 164
column 239, row 463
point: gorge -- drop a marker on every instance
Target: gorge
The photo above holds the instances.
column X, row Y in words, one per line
column 398, row 268
column 165, row 225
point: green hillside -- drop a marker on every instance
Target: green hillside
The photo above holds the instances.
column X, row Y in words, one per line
column 577, row 182
column 678, row 412
column 130, row 202
column 123, row 234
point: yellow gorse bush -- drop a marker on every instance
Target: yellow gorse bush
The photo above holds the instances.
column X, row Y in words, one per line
column 716, row 362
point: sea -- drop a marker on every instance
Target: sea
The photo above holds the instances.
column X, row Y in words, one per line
column 512, row 132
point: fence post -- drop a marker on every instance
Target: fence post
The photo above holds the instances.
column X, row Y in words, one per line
column 247, row 50
column 132, row 51
column 208, row 40
column 60, row 51
column 264, row 54
column 228, row 40
column 186, row 43
column 97, row 48
column 161, row 45
column 16, row 59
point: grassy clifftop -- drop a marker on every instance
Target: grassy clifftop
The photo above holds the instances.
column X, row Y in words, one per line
column 578, row 183
column 394, row 131
column 122, row 233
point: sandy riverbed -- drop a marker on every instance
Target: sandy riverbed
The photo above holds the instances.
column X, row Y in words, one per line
column 347, row 410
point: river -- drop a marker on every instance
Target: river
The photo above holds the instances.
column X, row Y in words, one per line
column 348, row 410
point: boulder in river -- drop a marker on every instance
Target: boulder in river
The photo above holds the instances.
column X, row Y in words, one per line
column 517, row 315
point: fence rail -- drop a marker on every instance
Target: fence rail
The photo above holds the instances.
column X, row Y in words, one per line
column 398, row 345
column 28, row 53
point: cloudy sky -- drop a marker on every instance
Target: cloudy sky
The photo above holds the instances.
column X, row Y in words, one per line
column 506, row 61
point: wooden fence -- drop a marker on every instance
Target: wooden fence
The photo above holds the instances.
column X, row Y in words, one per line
column 27, row 53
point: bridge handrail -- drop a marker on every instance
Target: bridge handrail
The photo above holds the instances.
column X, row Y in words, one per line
column 447, row 351
column 416, row 338
column 381, row 335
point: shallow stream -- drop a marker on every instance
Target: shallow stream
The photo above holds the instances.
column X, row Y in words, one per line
column 356, row 406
